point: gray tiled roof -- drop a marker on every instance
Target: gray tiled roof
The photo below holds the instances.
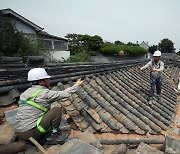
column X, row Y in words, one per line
column 118, row 100
column 113, row 97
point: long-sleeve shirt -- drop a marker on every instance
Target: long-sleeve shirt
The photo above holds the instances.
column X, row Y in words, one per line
column 27, row 115
column 158, row 68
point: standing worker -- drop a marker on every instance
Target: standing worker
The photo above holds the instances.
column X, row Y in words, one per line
column 156, row 74
column 34, row 117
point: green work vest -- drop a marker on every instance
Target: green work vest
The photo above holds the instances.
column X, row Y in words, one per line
column 38, row 106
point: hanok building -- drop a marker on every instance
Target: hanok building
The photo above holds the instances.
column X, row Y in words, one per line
column 57, row 45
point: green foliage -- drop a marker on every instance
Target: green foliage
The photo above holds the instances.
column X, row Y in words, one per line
column 93, row 53
column 118, row 42
column 84, row 43
column 95, row 43
column 132, row 44
column 79, row 57
column 76, row 49
column 153, row 48
column 166, row 46
column 15, row 43
column 107, row 44
column 109, row 49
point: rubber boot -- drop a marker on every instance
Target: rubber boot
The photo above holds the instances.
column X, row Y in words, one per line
column 56, row 137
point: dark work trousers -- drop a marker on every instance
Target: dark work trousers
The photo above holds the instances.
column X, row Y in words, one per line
column 51, row 119
column 155, row 83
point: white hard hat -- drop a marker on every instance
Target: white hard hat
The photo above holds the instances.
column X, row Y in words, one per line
column 37, row 74
column 157, row 53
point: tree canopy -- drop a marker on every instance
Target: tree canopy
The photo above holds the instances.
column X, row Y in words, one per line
column 84, row 43
column 153, row 48
column 166, row 46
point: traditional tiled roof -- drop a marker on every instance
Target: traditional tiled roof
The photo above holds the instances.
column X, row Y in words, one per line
column 113, row 97
column 173, row 72
column 116, row 102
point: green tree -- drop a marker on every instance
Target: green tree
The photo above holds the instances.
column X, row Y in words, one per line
column 132, row 44
column 7, row 33
column 153, row 48
column 95, row 43
column 118, row 42
column 166, row 46
column 84, row 43
column 74, row 39
column 15, row 43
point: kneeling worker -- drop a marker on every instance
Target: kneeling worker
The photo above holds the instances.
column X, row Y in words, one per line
column 34, row 117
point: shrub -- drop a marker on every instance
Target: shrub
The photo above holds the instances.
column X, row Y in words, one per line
column 94, row 53
column 129, row 50
column 79, row 57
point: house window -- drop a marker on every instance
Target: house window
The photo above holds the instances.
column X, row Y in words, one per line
column 57, row 45
column 48, row 44
column 64, row 45
column 60, row 45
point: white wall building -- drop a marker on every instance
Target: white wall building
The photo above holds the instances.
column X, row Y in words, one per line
column 58, row 46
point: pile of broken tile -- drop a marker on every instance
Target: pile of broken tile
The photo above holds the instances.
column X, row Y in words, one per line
column 85, row 142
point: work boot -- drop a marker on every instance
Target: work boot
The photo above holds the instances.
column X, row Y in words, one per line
column 150, row 100
column 159, row 99
column 56, row 137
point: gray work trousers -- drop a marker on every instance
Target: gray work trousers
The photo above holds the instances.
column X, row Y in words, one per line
column 51, row 119
column 155, row 84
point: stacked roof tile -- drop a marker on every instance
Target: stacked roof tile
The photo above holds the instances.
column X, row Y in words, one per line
column 173, row 72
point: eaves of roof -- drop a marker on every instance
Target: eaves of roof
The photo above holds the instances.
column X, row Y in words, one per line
column 45, row 34
column 21, row 18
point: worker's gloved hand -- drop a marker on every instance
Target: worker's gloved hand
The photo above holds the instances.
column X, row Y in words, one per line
column 79, row 82
column 139, row 69
column 152, row 68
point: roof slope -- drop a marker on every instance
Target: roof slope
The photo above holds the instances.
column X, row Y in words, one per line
column 116, row 102
column 21, row 18
column 113, row 97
